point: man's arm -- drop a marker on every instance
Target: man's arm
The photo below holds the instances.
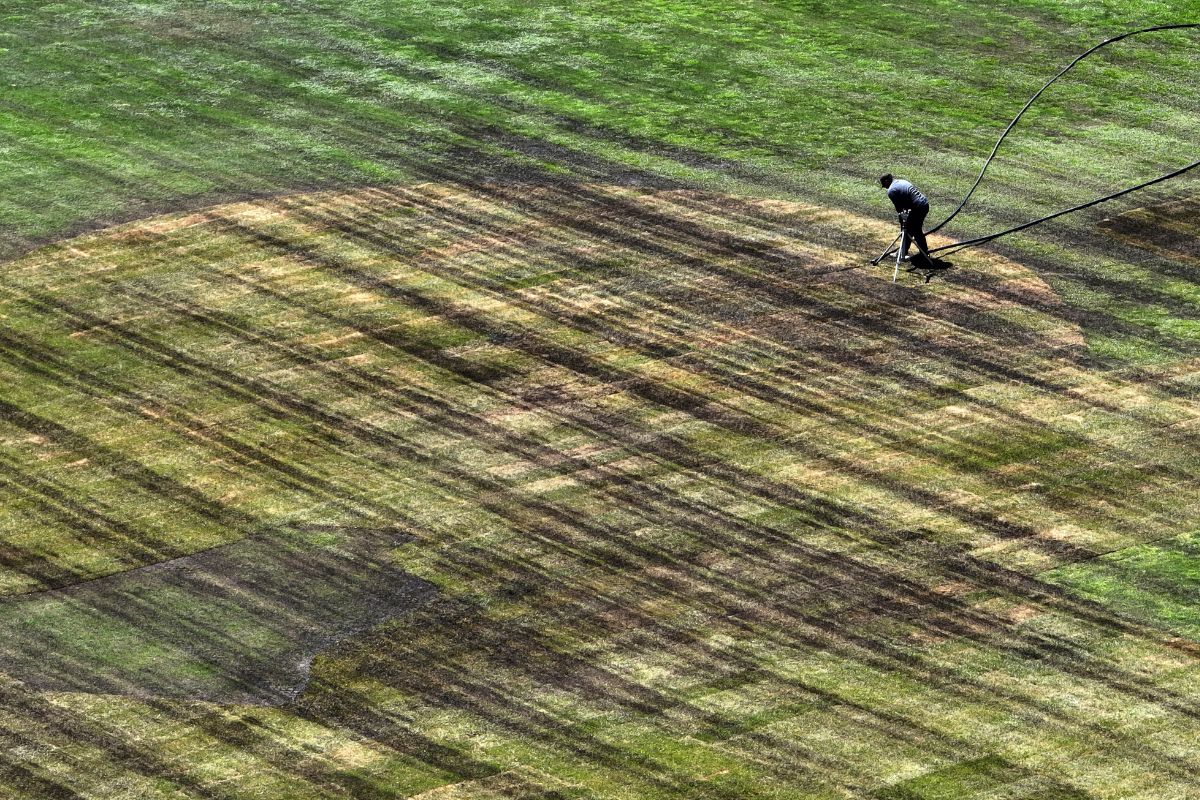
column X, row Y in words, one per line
column 898, row 199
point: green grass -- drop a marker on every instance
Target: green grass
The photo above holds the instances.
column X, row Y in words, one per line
column 988, row 776
column 114, row 111
column 1156, row 582
column 712, row 511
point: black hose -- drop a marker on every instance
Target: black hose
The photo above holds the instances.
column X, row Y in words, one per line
column 980, row 240
column 987, row 163
column 1038, row 94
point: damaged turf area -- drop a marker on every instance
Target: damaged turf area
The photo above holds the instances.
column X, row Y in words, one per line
column 711, row 507
column 237, row 623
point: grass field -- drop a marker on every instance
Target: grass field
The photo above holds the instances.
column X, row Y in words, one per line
column 493, row 401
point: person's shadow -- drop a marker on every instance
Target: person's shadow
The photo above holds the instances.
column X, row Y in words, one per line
column 928, row 266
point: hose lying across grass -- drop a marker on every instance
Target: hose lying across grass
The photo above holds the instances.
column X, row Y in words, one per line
column 956, row 246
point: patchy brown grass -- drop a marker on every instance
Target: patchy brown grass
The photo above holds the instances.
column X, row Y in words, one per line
column 713, row 508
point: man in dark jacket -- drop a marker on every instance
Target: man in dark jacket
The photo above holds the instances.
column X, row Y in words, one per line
column 912, row 208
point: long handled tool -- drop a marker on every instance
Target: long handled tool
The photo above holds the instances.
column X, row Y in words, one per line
column 888, row 251
column 903, row 237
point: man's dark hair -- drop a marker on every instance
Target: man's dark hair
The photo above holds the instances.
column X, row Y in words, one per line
column 885, row 180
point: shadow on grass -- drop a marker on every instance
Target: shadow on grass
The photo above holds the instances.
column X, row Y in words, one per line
column 239, row 623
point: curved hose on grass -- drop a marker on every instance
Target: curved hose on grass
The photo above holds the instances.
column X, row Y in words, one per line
column 987, row 163
column 953, row 248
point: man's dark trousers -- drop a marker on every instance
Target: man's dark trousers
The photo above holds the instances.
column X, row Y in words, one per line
column 915, row 225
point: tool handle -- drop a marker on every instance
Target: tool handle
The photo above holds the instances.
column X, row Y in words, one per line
column 903, row 237
column 888, row 251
